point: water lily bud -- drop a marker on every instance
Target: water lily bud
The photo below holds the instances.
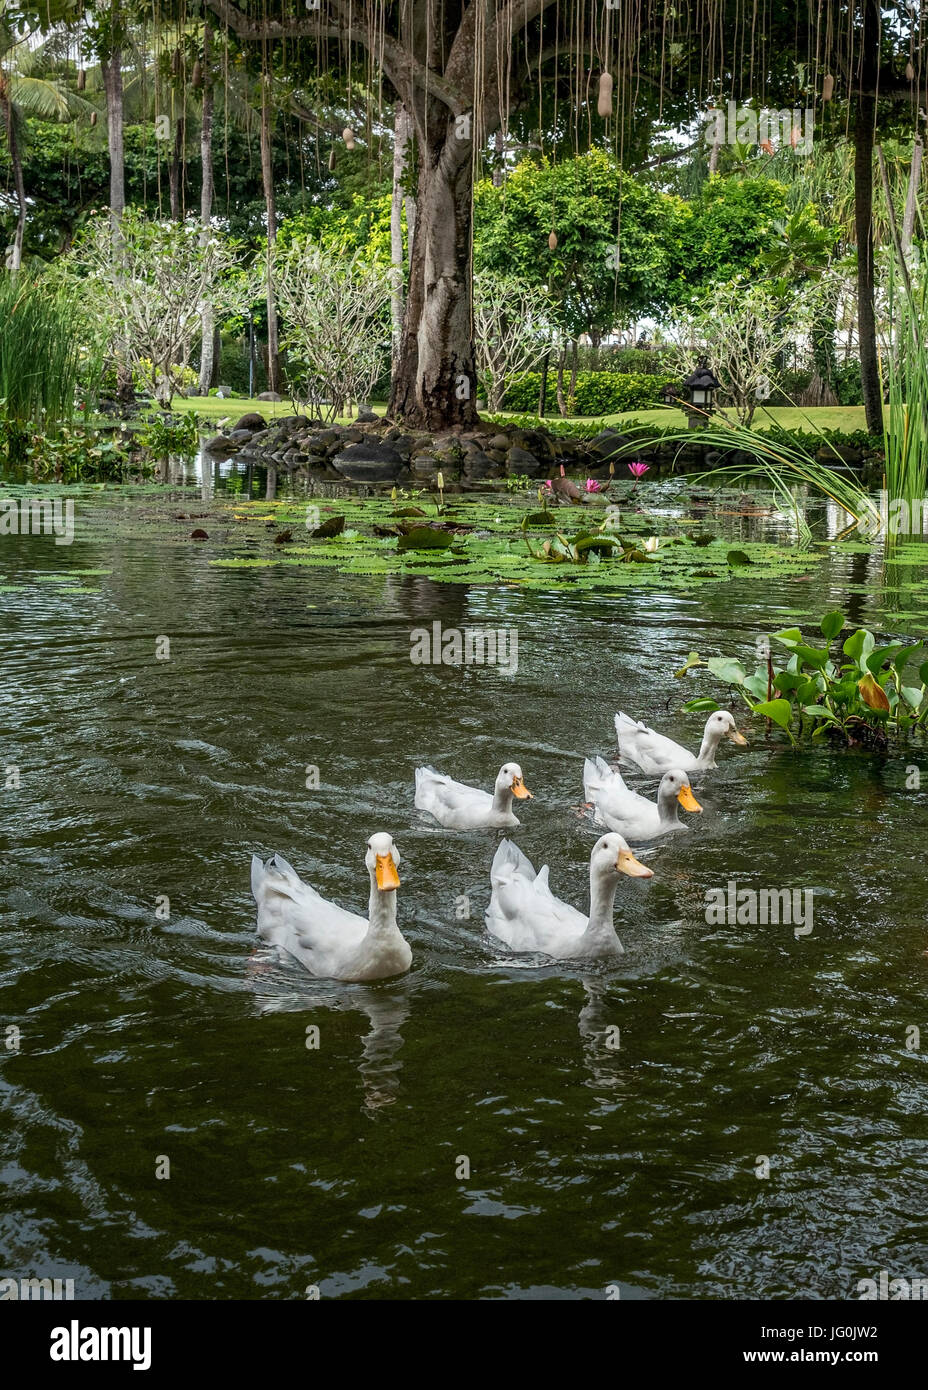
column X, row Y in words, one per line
column 440, row 481
column 828, row 87
column 604, row 104
column 552, row 241
column 348, row 137
column 393, row 494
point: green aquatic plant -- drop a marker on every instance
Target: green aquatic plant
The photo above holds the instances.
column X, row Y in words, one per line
column 852, row 691
column 49, row 364
column 164, row 433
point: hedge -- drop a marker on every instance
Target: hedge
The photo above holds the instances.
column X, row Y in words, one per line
column 597, row 393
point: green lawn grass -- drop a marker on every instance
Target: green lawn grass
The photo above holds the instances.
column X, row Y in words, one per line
column 211, row 409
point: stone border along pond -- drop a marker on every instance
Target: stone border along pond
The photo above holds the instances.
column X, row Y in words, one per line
column 373, row 451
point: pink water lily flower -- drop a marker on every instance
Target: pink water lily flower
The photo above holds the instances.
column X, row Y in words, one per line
column 548, row 484
column 593, row 486
column 638, row 470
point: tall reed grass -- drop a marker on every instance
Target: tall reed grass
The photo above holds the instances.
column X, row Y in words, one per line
column 48, row 368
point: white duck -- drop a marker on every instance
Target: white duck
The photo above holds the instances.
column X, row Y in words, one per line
column 331, row 942
column 457, row 806
column 656, row 754
column 525, row 914
column 631, row 814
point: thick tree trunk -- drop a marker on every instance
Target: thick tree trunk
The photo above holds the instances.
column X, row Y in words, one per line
column 15, row 254
column 267, row 176
column 207, row 314
column 864, row 140
column 434, row 381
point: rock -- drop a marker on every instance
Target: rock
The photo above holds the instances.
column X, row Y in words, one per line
column 221, row 444
column 198, row 535
column 250, row 421
column 606, row 444
column 424, row 467
column 477, row 465
column 223, row 392
column 269, row 396
column 499, row 441
column 368, row 462
column 366, row 416
column 239, row 436
column 520, row 461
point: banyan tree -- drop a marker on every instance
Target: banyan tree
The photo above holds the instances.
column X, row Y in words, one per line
column 460, row 72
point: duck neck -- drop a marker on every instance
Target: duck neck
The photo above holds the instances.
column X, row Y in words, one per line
column 502, row 799
column 667, row 806
column 602, row 902
column 381, row 908
column 710, row 742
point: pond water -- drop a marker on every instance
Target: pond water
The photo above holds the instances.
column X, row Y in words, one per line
column 154, row 1032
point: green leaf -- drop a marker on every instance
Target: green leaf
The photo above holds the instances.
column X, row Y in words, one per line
column 789, row 637
column 727, row 669
column 813, row 656
column 756, row 685
column 738, row 557
column 780, row 711
column 923, row 673
column 859, row 645
column 820, row 712
column 882, row 655
column 901, row 658
column 698, row 706
column 694, row 659
column 785, row 681
column 425, row 538
column 912, row 695
column 831, row 625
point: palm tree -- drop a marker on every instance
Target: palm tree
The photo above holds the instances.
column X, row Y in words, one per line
column 29, row 86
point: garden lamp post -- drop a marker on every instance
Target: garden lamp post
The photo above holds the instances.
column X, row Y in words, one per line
column 700, row 386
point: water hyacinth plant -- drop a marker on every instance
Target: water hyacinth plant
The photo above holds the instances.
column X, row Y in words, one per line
column 855, row 693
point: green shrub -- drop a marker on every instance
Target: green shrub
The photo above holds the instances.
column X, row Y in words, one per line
column 596, row 393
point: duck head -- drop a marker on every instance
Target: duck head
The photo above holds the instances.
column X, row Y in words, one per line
column 382, row 860
column 675, row 786
column 510, row 781
column 611, row 857
column 721, row 725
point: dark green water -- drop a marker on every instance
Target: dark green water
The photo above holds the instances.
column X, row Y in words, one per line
column 336, row 1167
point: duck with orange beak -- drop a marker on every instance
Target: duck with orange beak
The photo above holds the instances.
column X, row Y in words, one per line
column 628, row 812
column 329, row 941
column 457, row 806
column 525, row 914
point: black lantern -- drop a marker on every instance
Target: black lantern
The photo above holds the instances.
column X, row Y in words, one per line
column 700, row 386
column 671, row 393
